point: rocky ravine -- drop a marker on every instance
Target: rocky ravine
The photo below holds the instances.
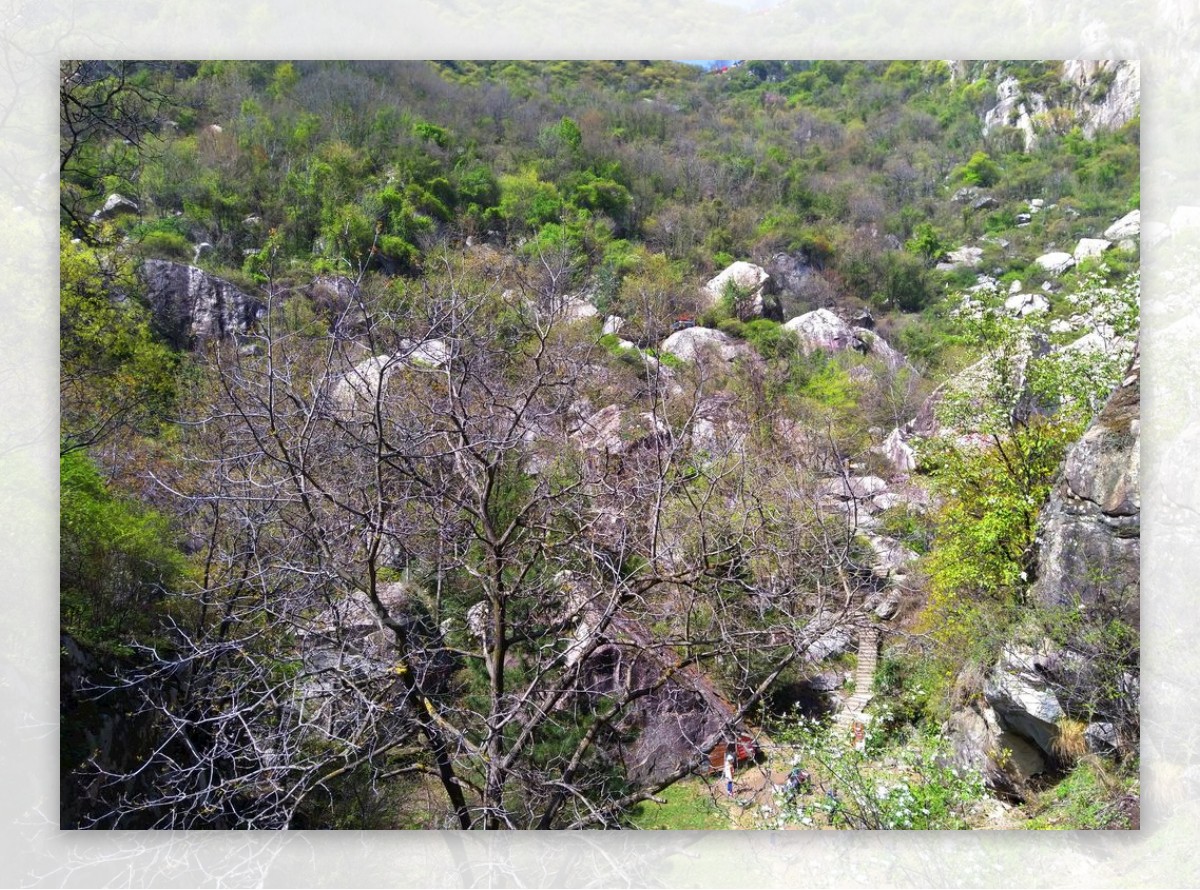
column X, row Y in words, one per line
column 1089, row 558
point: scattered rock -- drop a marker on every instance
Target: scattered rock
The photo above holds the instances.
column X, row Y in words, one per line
column 115, row 206
column 1128, row 226
column 612, row 324
column 1056, row 262
column 1090, row 247
column 574, row 308
column 690, row 343
column 1026, row 304
column 987, row 202
column 611, row 431
column 852, row 487
column 890, row 557
column 1101, row 738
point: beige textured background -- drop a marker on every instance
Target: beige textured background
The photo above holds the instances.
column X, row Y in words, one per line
column 34, row 35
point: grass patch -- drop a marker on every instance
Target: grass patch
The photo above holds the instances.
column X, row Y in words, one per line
column 1088, row 797
column 687, row 806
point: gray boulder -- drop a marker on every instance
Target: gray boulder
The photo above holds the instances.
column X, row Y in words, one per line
column 690, row 343
column 852, row 487
column 898, row 452
column 115, row 206
column 890, row 557
column 978, row 742
column 1056, row 262
column 1128, row 226
column 963, row 257
column 189, row 304
column 748, row 279
column 1026, row 304
column 880, row 349
column 822, row 330
column 1090, row 247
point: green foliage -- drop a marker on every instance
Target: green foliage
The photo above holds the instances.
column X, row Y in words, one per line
column 926, row 243
column 771, row 339
column 439, row 136
column 983, row 555
column 1089, row 797
column 980, row 170
column 527, row 202
column 114, row 373
column 117, row 560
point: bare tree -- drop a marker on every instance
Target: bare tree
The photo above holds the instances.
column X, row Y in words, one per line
column 426, row 553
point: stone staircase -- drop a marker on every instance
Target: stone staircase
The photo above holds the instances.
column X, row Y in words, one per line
column 852, row 710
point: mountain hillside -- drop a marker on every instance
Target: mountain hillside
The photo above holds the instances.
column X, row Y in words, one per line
column 499, row 444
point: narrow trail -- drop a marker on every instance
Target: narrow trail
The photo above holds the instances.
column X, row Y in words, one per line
column 854, row 708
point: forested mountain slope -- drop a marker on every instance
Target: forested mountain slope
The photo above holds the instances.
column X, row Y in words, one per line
column 484, row 444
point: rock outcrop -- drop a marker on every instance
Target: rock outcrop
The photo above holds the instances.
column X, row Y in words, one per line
column 979, row 742
column 361, row 386
column 1109, row 91
column 1089, row 533
column 963, row 257
column 1128, row 226
column 189, row 304
column 1015, row 108
column 1090, row 247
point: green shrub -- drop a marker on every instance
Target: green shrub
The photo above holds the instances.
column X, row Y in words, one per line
column 166, row 245
column 980, row 170
column 771, row 339
column 116, row 559
column 733, row 327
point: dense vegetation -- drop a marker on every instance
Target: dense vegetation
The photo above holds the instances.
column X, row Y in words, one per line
column 233, row 507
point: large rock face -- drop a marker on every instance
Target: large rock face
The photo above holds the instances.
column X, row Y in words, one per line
column 1089, row 533
column 979, row 742
column 1018, row 690
column 1114, row 106
column 188, row 304
column 1014, row 107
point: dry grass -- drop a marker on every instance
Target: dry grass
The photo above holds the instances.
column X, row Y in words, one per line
column 1070, row 744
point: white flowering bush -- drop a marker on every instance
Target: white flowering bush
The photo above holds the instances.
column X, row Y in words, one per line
column 909, row 786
